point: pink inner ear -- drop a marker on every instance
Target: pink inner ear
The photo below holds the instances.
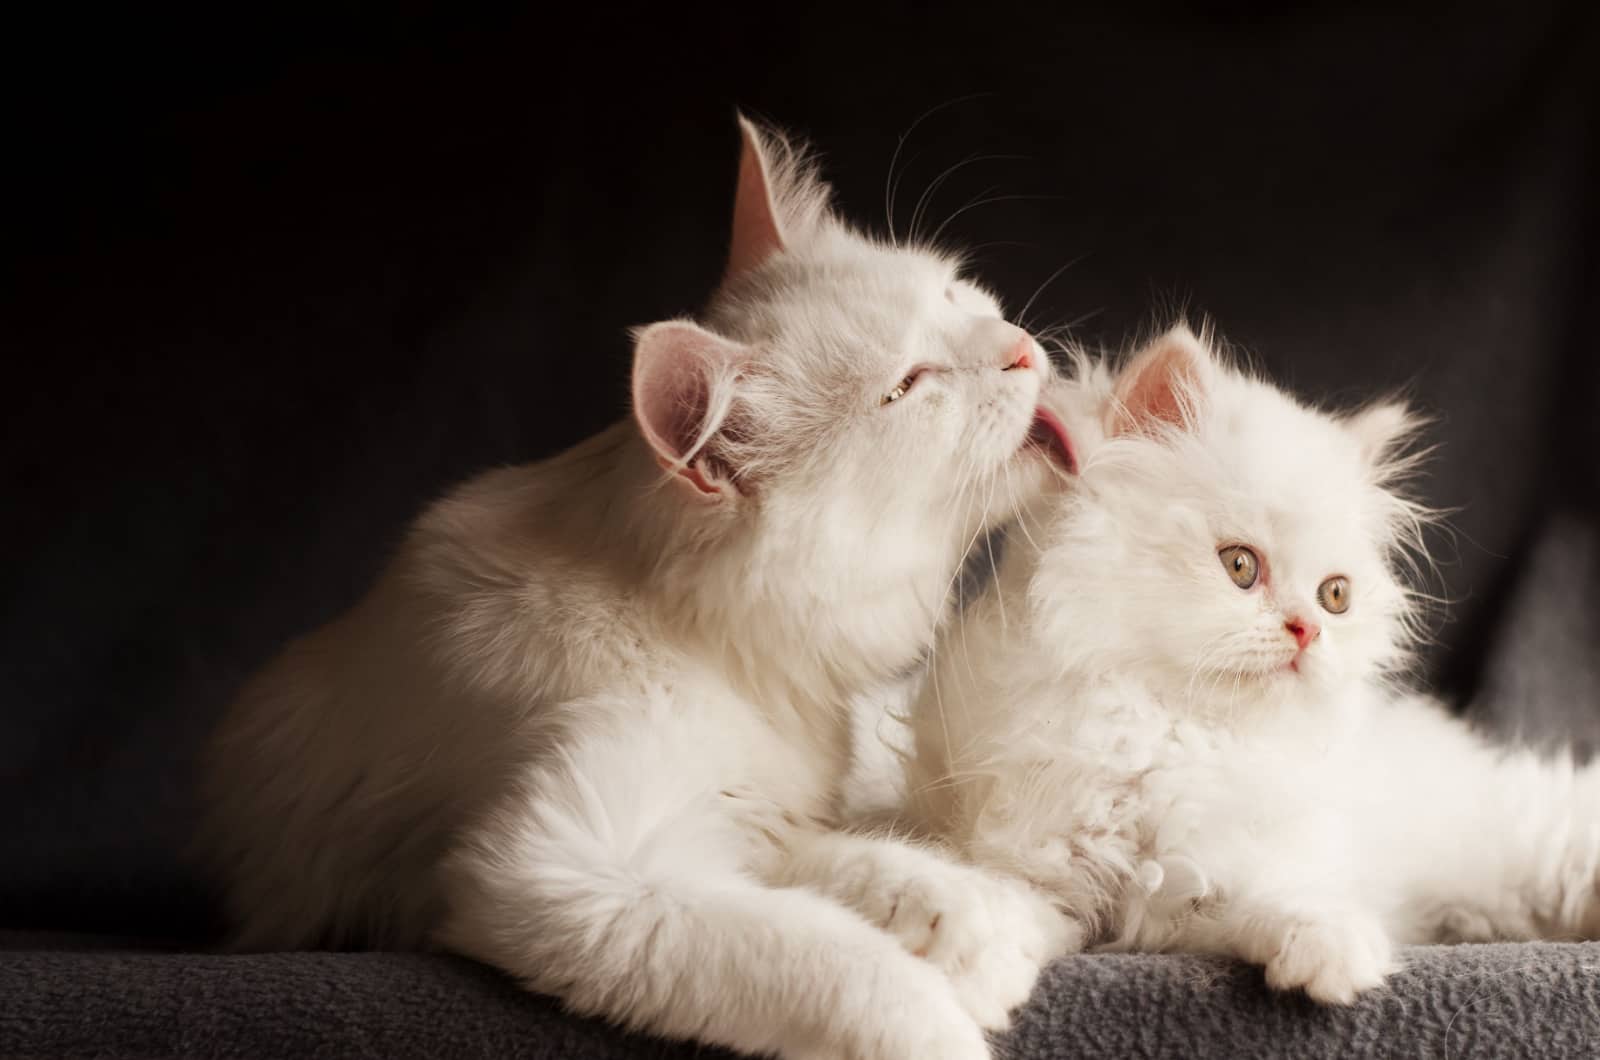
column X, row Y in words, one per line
column 1153, row 399
column 756, row 235
column 676, row 365
column 1156, row 388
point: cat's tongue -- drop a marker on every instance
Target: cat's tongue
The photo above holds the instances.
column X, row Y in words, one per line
column 1049, row 437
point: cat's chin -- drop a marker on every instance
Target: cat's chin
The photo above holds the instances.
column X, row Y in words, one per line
column 1259, row 685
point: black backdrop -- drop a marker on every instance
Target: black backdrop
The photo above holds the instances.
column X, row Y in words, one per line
column 274, row 281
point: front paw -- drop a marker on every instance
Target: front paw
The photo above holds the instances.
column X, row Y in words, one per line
column 1332, row 958
column 917, row 1016
column 993, row 975
column 991, row 935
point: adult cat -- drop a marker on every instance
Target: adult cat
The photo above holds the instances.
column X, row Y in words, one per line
column 590, row 724
column 1175, row 708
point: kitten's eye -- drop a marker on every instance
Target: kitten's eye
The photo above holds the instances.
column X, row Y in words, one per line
column 1241, row 564
column 1334, row 595
column 900, row 388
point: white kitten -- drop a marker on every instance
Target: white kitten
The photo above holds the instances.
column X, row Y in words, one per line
column 591, row 725
column 1172, row 708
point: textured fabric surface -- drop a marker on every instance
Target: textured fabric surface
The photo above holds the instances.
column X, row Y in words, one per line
column 1531, row 1000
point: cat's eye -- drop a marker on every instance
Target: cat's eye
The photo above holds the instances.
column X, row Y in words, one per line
column 900, row 388
column 1334, row 595
column 1241, row 564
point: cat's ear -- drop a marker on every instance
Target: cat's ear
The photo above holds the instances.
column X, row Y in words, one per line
column 1163, row 385
column 1382, row 430
column 683, row 376
column 778, row 199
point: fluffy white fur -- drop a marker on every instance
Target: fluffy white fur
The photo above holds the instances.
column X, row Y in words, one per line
column 1121, row 724
column 592, row 723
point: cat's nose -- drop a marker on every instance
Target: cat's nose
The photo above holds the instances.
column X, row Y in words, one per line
column 1019, row 355
column 1302, row 631
column 993, row 340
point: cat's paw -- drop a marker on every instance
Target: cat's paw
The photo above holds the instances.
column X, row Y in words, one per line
column 1332, row 958
column 919, row 1016
column 991, row 935
column 942, row 1033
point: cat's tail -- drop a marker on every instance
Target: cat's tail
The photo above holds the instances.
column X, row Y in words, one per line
column 614, row 881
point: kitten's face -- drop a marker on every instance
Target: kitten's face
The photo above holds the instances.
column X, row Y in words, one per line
column 1239, row 550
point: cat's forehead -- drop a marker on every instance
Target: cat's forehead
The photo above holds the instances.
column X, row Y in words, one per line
column 850, row 296
column 868, row 277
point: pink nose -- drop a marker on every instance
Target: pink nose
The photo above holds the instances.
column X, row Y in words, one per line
column 1020, row 355
column 1303, row 632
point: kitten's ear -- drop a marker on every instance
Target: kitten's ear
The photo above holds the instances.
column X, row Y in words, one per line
column 683, row 377
column 1162, row 385
column 1382, row 429
column 778, row 199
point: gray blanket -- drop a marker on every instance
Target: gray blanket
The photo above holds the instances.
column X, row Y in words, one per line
column 71, row 998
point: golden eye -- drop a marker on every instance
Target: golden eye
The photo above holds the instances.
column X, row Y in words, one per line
column 1334, row 595
column 900, row 389
column 1241, row 564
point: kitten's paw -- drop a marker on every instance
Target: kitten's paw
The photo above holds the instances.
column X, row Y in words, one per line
column 1331, row 958
column 991, row 935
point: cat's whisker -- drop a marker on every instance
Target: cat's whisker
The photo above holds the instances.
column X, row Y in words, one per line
column 891, row 182
column 975, row 250
column 926, row 200
column 988, row 201
column 1203, row 660
column 1022, row 314
column 988, row 548
column 990, row 190
column 931, row 189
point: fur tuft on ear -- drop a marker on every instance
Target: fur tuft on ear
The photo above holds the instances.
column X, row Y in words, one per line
column 1162, row 386
column 1382, row 430
column 779, row 198
column 683, row 379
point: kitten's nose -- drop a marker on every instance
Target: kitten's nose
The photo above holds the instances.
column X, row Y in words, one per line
column 1303, row 632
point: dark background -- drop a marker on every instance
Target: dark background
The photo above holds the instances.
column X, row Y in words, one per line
column 272, row 282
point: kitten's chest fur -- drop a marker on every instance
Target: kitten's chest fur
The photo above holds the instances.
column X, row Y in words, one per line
column 1102, row 793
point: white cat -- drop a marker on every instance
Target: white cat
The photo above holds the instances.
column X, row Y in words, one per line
column 1176, row 708
column 591, row 724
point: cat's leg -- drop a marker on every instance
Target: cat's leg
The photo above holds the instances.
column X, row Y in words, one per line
column 989, row 933
column 1333, row 952
column 618, row 883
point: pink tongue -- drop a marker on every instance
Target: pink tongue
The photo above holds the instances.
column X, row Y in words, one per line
column 1048, row 434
